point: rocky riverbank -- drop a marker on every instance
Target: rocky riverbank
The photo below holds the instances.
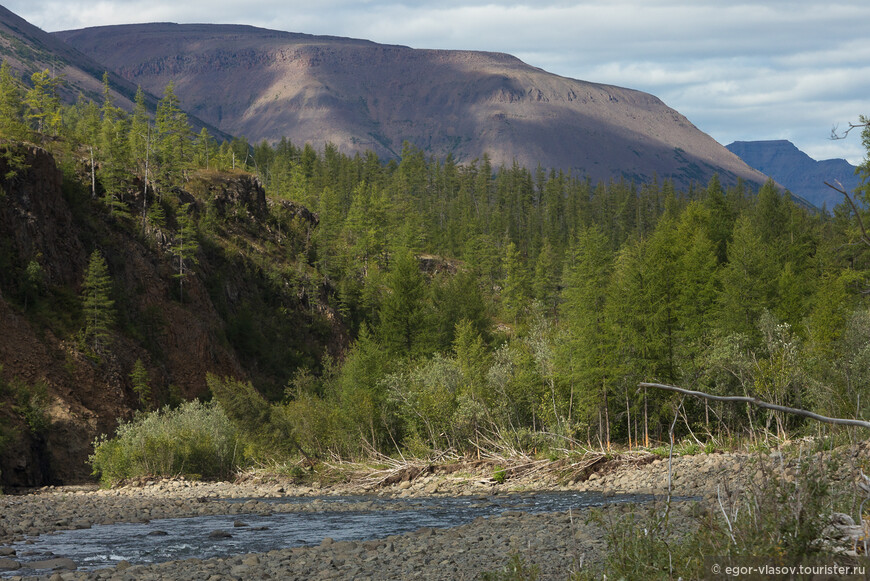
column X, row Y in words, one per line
column 558, row 543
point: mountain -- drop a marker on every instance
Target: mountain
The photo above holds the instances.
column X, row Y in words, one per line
column 359, row 95
column 29, row 49
column 797, row 171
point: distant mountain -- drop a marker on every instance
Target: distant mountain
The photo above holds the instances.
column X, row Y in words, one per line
column 359, row 95
column 796, row 171
column 29, row 49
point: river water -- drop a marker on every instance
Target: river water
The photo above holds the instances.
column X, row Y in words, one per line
column 171, row 539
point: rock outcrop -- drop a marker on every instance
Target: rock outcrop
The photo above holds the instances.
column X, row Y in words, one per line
column 54, row 224
column 359, row 95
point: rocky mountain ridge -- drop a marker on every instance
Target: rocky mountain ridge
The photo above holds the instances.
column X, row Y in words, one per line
column 797, row 171
column 358, row 95
column 29, row 49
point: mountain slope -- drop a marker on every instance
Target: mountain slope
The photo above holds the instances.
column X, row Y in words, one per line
column 360, row 95
column 796, row 171
column 224, row 323
column 29, row 49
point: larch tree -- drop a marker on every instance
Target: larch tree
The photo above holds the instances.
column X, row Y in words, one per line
column 186, row 246
column 43, row 102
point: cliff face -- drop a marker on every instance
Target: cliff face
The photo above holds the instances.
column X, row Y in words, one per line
column 49, row 222
column 360, row 95
column 798, row 172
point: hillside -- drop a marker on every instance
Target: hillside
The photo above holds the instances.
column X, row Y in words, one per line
column 29, row 49
column 58, row 392
column 796, row 171
column 359, row 95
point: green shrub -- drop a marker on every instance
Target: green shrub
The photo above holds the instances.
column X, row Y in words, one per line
column 778, row 517
column 193, row 439
column 266, row 428
column 499, row 475
column 29, row 402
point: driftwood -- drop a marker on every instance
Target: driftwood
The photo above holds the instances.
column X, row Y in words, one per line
column 763, row 404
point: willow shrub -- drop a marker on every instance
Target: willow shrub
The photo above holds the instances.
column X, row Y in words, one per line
column 196, row 440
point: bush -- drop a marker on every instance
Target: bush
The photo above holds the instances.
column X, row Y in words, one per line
column 195, row 439
column 265, row 428
column 779, row 517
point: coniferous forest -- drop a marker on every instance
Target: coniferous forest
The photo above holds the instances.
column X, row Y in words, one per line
column 479, row 306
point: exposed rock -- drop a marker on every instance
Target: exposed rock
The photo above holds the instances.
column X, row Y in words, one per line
column 359, row 96
column 797, row 171
column 53, row 564
column 178, row 341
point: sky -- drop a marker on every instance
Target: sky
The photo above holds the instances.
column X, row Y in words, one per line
column 739, row 70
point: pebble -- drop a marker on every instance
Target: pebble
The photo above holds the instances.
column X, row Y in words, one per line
column 555, row 542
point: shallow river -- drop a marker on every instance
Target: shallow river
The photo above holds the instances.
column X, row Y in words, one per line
column 182, row 538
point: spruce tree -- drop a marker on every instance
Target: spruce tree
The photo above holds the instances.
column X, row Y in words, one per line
column 98, row 306
column 139, row 379
column 515, row 292
column 404, row 328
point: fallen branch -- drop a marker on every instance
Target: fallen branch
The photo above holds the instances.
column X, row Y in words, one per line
column 760, row 403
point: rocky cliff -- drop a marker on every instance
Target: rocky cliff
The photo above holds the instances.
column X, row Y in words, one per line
column 56, row 394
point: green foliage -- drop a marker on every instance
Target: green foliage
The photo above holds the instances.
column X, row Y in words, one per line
column 12, row 125
column 43, row 102
column 186, row 246
column 597, row 286
column 33, row 283
column 97, row 304
column 265, row 428
column 139, row 379
column 778, row 517
column 29, row 401
column 192, row 439
column 404, row 329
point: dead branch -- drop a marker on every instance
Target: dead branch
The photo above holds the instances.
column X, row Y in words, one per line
column 835, row 136
column 839, row 188
column 763, row 404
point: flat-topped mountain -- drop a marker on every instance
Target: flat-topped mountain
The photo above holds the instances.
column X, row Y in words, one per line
column 797, row 171
column 360, row 95
column 29, row 49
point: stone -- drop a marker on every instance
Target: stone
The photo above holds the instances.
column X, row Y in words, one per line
column 219, row 534
column 59, row 563
column 9, row 564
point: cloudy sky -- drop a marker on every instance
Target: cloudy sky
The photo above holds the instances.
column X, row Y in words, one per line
column 739, row 70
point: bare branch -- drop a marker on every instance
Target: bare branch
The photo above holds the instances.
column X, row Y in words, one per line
column 759, row 403
column 839, row 188
column 835, row 136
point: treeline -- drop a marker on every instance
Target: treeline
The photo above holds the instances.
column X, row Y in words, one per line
column 520, row 307
column 566, row 295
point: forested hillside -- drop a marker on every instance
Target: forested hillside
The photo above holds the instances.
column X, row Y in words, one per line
column 353, row 305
